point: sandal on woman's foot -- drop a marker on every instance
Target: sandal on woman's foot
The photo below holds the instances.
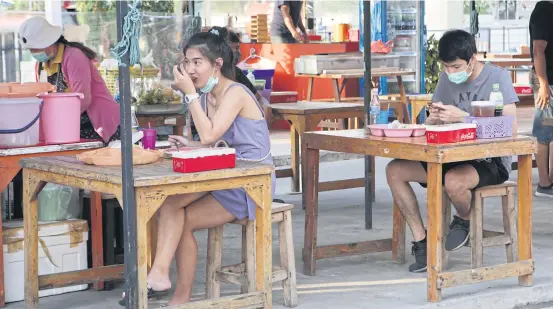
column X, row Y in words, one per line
column 151, row 294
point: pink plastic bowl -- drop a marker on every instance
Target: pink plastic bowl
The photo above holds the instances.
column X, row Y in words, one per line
column 398, row 132
column 419, row 132
column 378, row 129
column 383, row 130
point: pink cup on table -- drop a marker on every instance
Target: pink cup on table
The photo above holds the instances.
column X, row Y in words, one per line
column 149, row 139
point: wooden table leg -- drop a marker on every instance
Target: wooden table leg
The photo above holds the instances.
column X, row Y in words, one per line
column 351, row 122
column 403, row 98
column 295, row 157
column 6, row 176
column 310, row 189
column 179, row 130
column 434, row 230
column 336, row 91
column 310, row 88
column 97, row 234
column 524, row 214
column 152, row 239
column 142, row 255
column 398, row 236
column 264, row 272
column 31, row 188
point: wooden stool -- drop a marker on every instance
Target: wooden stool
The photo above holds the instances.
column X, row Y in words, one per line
column 244, row 274
column 479, row 238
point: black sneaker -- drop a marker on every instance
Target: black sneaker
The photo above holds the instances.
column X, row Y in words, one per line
column 458, row 235
column 419, row 250
column 543, row 191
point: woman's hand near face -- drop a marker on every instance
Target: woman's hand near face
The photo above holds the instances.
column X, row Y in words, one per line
column 182, row 80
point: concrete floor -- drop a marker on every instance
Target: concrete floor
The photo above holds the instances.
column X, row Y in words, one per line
column 371, row 280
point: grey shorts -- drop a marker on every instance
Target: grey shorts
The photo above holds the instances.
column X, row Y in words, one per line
column 491, row 171
column 540, row 131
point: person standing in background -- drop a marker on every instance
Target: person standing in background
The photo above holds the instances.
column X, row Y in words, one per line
column 540, row 77
column 286, row 20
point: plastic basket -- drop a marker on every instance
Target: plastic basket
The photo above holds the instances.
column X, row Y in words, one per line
column 492, row 127
column 110, row 75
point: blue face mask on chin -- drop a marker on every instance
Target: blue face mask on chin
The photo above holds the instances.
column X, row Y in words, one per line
column 460, row 77
column 212, row 81
column 41, row 57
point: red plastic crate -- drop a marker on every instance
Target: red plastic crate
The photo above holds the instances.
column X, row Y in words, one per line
column 205, row 159
column 451, row 133
column 354, row 35
column 283, row 97
column 523, row 89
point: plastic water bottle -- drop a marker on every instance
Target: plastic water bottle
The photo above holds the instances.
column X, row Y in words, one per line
column 251, row 77
column 134, row 121
column 374, row 107
column 498, row 99
column 117, row 95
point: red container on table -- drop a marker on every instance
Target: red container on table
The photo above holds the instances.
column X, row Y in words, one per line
column 523, row 89
column 203, row 159
column 282, row 97
column 451, row 133
column 354, row 35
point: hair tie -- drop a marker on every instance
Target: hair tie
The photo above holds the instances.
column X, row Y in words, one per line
column 214, row 31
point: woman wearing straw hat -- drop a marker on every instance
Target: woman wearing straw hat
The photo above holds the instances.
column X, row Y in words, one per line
column 70, row 66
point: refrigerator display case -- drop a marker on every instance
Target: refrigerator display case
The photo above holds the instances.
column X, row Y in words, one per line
column 403, row 23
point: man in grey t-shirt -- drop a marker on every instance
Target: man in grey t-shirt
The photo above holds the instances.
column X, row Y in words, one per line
column 465, row 80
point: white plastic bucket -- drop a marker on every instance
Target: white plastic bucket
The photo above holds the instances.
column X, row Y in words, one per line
column 16, row 113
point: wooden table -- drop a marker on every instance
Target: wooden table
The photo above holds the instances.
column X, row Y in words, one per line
column 357, row 74
column 417, row 149
column 417, row 101
column 177, row 121
column 304, row 117
column 9, row 167
column 508, row 55
column 508, row 63
column 153, row 184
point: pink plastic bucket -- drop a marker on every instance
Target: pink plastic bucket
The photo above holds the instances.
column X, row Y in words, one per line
column 61, row 117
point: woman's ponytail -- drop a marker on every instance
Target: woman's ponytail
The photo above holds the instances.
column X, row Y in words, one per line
column 87, row 51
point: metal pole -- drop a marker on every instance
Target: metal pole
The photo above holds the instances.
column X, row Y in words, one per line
column 503, row 38
column 128, row 194
column 369, row 173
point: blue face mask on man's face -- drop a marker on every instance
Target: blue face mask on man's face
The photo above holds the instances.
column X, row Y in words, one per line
column 41, row 56
column 462, row 76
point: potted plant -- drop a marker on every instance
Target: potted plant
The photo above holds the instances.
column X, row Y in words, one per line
column 433, row 66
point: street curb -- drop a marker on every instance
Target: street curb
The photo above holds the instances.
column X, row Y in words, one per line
column 519, row 297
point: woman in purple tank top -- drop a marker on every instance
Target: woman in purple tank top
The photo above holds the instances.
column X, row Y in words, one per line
column 224, row 110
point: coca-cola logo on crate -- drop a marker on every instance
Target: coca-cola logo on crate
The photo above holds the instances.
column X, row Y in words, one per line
column 467, row 136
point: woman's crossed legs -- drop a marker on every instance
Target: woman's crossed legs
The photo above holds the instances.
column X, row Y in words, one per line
column 179, row 217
